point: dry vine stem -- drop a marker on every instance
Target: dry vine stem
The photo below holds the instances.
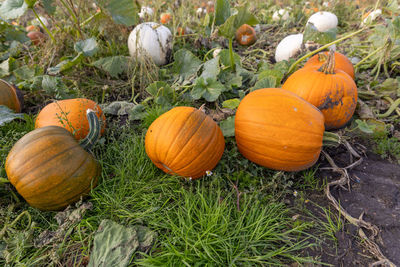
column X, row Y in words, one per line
column 360, row 223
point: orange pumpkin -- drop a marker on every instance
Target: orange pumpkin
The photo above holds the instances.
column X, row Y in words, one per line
column 165, row 18
column 330, row 89
column 279, row 130
column 50, row 170
column 32, row 28
column 180, row 31
column 246, row 35
column 10, row 96
column 37, row 37
column 185, row 141
column 341, row 62
column 70, row 114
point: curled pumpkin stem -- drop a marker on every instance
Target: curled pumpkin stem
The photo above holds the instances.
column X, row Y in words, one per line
column 329, row 66
column 94, row 130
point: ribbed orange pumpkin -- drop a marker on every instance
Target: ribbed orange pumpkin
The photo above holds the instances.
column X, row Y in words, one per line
column 279, row 130
column 246, row 35
column 341, row 62
column 70, row 114
column 50, row 170
column 185, row 141
column 329, row 89
column 9, row 96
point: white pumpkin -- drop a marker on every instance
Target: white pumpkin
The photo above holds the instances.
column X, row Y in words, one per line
column 371, row 16
column 146, row 11
column 36, row 22
column 323, row 21
column 151, row 40
column 281, row 14
column 288, row 47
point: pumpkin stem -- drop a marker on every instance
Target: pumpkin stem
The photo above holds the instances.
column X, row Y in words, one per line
column 94, row 130
column 329, row 66
column 322, row 57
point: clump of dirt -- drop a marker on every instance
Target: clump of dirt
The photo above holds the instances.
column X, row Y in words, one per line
column 375, row 195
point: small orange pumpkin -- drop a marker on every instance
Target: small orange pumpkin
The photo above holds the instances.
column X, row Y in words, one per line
column 165, row 18
column 246, row 35
column 185, row 141
column 341, row 62
column 32, row 28
column 37, row 37
column 279, row 130
column 330, row 89
column 70, row 114
column 10, row 96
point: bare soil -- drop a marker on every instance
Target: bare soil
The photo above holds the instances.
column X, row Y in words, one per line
column 375, row 193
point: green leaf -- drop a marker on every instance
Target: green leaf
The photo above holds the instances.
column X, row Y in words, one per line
column 6, row 67
column 30, row 3
column 225, row 59
column 199, row 88
column 278, row 75
column 114, row 244
column 65, row 65
column 231, row 103
column 211, row 68
column 243, row 16
column 163, row 93
column 213, row 90
column 228, row 127
column 55, row 86
column 122, row 11
column 312, row 34
column 12, row 33
column 186, row 63
column 365, row 127
column 88, row 47
column 49, row 6
column 24, row 73
column 222, row 11
column 267, row 82
column 114, row 66
column 12, row 9
column 7, row 115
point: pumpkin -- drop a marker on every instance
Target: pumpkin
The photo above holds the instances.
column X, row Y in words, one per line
column 341, row 62
column 323, row 21
column 151, row 40
column 279, row 130
column 370, row 16
column 184, row 141
column 180, row 31
column 246, row 35
column 10, row 96
column 165, row 18
column 289, row 47
column 32, row 28
column 36, row 37
column 280, row 14
column 330, row 89
column 50, row 170
column 70, row 114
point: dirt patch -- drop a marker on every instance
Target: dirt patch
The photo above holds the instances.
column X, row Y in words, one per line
column 375, row 192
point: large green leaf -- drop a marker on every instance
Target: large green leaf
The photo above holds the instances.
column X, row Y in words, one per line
column 122, row 11
column 267, row 82
column 231, row 103
column 114, row 66
column 7, row 115
column 88, row 47
column 186, row 63
column 210, row 89
column 211, row 68
column 222, row 11
column 65, row 65
column 242, row 16
column 12, row 9
column 114, row 244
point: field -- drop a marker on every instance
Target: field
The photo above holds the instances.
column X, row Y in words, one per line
column 342, row 210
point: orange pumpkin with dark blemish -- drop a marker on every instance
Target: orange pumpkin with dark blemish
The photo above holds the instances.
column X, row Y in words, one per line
column 246, row 35
column 329, row 89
